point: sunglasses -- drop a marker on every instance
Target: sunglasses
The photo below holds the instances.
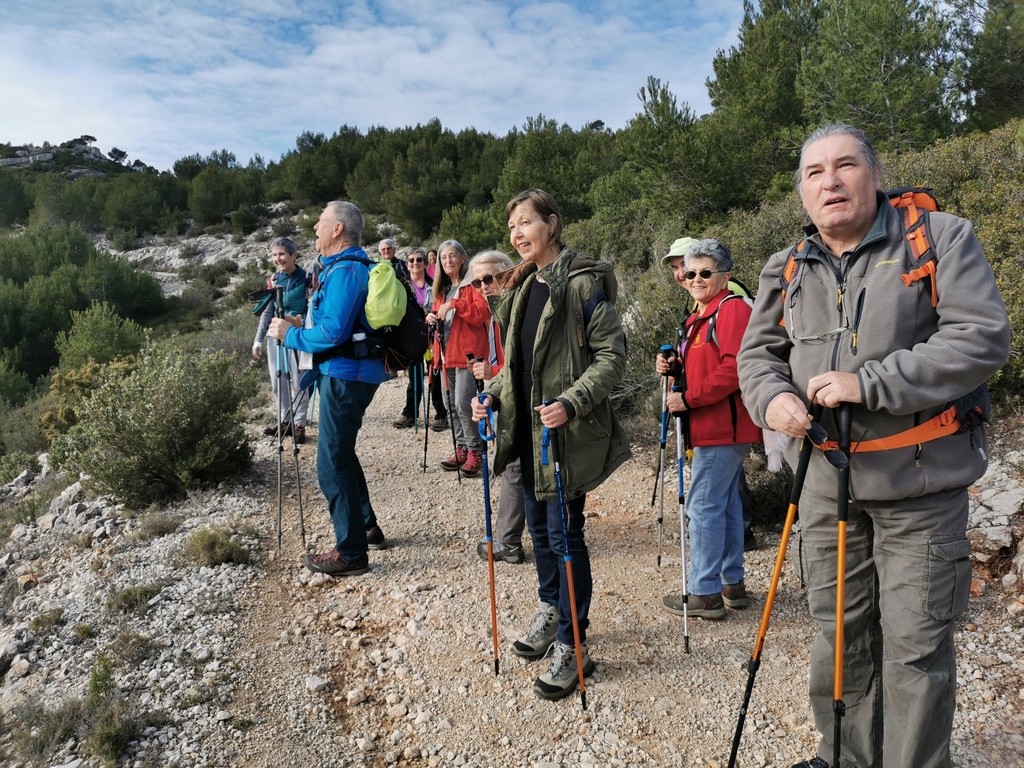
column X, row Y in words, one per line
column 817, row 435
column 417, row 260
column 704, row 273
column 485, row 280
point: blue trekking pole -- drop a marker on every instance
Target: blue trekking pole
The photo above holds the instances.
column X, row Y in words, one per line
column 487, row 434
column 666, row 350
column 546, row 440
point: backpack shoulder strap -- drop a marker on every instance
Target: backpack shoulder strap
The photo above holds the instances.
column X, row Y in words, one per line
column 914, row 205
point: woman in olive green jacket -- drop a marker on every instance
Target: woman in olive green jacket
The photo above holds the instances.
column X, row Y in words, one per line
column 565, row 352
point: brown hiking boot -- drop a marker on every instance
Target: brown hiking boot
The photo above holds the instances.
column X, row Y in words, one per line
column 701, row 606
column 403, row 423
column 375, row 538
column 735, row 596
column 333, row 563
column 300, row 434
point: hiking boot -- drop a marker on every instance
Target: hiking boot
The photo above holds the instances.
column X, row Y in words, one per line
column 563, row 672
column 286, row 429
column 375, row 538
column 701, row 606
column 735, row 596
column 814, row 762
column 333, row 563
column 508, row 554
column 440, row 424
column 473, row 464
column 403, row 423
column 300, row 434
column 456, row 460
column 535, row 643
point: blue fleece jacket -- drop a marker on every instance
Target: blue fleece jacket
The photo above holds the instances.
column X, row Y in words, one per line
column 337, row 309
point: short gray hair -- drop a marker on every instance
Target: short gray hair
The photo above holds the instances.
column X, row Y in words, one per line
column 840, row 129
column 350, row 217
column 388, row 241
column 710, row 249
column 284, row 242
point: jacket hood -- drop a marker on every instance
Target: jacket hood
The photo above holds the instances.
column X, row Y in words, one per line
column 567, row 265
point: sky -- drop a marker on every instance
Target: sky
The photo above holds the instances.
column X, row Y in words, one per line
column 162, row 80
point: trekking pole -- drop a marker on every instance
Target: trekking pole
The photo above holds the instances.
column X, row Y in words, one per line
column 487, row 435
column 548, row 439
column 843, row 422
column 285, row 362
column 279, row 352
column 416, row 371
column 659, row 483
column 426, row 410
column 755, row 657
column 451, row 408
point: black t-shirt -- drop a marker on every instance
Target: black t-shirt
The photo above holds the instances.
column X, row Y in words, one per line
column 536, row 301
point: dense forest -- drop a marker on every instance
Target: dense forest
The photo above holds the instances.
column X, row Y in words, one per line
column 939, row 88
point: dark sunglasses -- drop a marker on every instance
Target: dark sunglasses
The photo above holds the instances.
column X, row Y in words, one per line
column 704, row 273
column 817, row 435
column 415, row 261
column 485, row 280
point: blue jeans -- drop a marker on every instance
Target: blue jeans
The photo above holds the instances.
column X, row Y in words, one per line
column 716, row 518
column 342, row 405
column 544, row 519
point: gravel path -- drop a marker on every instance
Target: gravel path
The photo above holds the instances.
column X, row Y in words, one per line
column 395, row 667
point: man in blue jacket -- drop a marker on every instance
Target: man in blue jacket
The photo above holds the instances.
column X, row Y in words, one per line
column 347, row 383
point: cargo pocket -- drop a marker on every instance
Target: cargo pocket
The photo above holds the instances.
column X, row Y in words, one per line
column 949, row 579
column 797, row 555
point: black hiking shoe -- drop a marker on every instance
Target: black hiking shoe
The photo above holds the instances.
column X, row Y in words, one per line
column 503, row 552
column 333, row 563
column 403, row 423
column 750, row 542
column 375, row 538
column 814, row 762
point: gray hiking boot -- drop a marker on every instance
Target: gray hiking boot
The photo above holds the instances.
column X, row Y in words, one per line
column 536, row 642
column 563, row 672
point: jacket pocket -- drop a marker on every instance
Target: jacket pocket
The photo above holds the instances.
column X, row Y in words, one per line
column 949, row 579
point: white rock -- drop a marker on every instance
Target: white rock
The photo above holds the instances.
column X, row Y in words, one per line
column 316, row 684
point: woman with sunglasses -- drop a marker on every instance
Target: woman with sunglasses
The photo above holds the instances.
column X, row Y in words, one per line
column 706, row 388
column 511, row 519
column 421, row 284
column 463, row 316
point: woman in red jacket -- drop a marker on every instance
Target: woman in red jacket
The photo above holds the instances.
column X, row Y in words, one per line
column 706, row 386
column 465, row 317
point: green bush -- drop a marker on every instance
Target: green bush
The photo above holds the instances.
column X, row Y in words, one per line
column 134, row 599
column 165, row 428
column 214, row 546
column 13, row 464
column 69, row 387
column 98, row 333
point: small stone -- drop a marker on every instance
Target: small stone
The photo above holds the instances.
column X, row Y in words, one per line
column 316, row 684
column 355, row 696
column 19, row 669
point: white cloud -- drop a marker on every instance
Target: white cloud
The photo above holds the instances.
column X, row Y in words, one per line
column 163, row 80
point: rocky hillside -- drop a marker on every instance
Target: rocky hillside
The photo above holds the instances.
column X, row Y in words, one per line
column 117, row 640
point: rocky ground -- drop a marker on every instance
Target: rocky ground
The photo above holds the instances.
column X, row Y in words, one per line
column 264, row 665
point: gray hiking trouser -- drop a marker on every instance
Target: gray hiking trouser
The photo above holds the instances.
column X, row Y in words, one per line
column 908, row 575
column 511, row 510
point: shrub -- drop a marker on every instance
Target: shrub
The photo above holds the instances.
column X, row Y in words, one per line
column 134, row 599
column 165, row 428
column 98, row 333
column 13, row 464
column 214, row 546
column 156, row 523
column 47, row 621
column 68, row 390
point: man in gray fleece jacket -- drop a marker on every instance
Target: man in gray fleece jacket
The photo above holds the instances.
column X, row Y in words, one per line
column 847, row 329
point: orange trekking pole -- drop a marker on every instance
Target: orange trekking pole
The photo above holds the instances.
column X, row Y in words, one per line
column 844, row 422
